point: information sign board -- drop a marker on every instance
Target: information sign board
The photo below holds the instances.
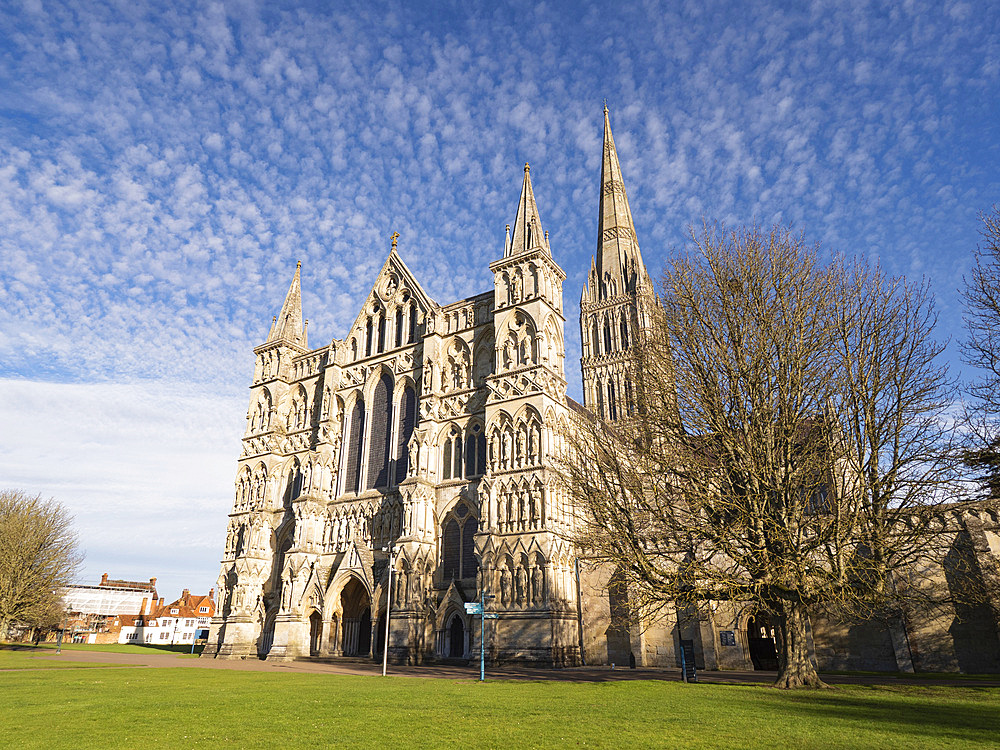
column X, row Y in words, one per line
column 474, row 608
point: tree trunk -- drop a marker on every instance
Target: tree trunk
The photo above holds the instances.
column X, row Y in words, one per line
column 795, row 664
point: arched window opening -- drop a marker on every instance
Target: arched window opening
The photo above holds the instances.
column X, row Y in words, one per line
column 446, row 460
column 612, row 402
column 354, row 432
column 624, row 330
column 407, row 421
column 413, row 322
column 452, row 455
column 451, row 554
column 599, row 388
column 381, row 332
column 628, row 397
column 475, row 451
column 368, row 338
column 469, row 563
column 399, row 326
column 607, row 336
column 596, row 339
column 458, row 552
column 380, row 434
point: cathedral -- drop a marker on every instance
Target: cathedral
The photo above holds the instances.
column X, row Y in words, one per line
column 405, row 470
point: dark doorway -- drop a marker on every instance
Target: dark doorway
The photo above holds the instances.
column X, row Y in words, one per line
column 761, row 636
column 266, row 637
column 380, row 634
column 365, row 634
column 357, row 627
column 456, row 637
column 315, row 633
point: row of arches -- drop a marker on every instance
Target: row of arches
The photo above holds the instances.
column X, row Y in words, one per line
column 463, row 453
column 376, row 436
column 386, row 328
column 610, row 331
column 516, row 443
column 614, row 396
column 525, row 282
column 519, row 506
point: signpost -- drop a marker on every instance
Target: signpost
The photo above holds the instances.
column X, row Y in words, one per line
column 479, row 608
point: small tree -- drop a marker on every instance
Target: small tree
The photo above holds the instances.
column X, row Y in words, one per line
column 38, row 556
column 981, row 349
column 788, row 441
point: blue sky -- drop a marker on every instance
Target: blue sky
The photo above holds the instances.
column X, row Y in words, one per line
column 163, row 166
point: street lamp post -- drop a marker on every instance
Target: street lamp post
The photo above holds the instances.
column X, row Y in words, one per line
column 388, row 609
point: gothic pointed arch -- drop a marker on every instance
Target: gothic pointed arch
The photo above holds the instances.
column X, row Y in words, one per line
column 380, row 433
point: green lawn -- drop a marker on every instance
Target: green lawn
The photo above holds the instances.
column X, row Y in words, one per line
column 115, row 707
column 120, row 648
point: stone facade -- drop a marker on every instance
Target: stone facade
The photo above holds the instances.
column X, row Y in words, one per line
column 423, row 440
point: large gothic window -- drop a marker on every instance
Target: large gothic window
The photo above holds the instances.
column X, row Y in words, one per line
column 452, row 455
column 599, row 388
column 407, row 420
column 380, row 434
column 458, row 550
column 354, row 432
column 475, row 451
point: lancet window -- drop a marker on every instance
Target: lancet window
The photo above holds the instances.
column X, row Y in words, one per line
column 404, row 431
column 354, row 430
column 458, row 544
column 379, row 444
column 451, row 454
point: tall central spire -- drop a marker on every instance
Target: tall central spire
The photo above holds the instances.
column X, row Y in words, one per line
column 619, row 262
column 528, row 234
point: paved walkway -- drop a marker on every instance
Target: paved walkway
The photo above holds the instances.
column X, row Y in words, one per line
column 574, row 674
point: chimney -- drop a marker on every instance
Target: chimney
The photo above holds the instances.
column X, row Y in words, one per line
column 211, row 593
column 104, row 579
column 142, row 609
column 185, row 595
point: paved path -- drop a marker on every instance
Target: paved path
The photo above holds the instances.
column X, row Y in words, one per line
column 574, row 674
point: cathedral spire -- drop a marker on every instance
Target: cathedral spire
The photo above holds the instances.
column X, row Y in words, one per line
column 619, row 263
column 528, row 233
column 288, row 324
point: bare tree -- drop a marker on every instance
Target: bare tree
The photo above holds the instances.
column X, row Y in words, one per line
column 38, row 556
column 981, row 349
column 790, row 438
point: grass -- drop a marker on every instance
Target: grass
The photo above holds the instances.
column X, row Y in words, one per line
column 119, row 648
column 115, row 707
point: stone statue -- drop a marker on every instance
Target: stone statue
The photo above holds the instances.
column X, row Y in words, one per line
column 504, row 586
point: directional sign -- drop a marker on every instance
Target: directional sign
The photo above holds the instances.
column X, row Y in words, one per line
column 473, row 608
column 491, row 616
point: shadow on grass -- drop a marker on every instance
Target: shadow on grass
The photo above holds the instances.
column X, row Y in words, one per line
column 911, row 711
column 125, row 648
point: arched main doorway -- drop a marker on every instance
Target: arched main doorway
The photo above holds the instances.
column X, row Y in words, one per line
column 266, row 639
column 456, row 637
column 761, row 639
column 356, row 606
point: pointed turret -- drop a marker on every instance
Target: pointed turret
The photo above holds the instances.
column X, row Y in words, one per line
column 528, row 234
column 288, row 325
column 619, row 263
